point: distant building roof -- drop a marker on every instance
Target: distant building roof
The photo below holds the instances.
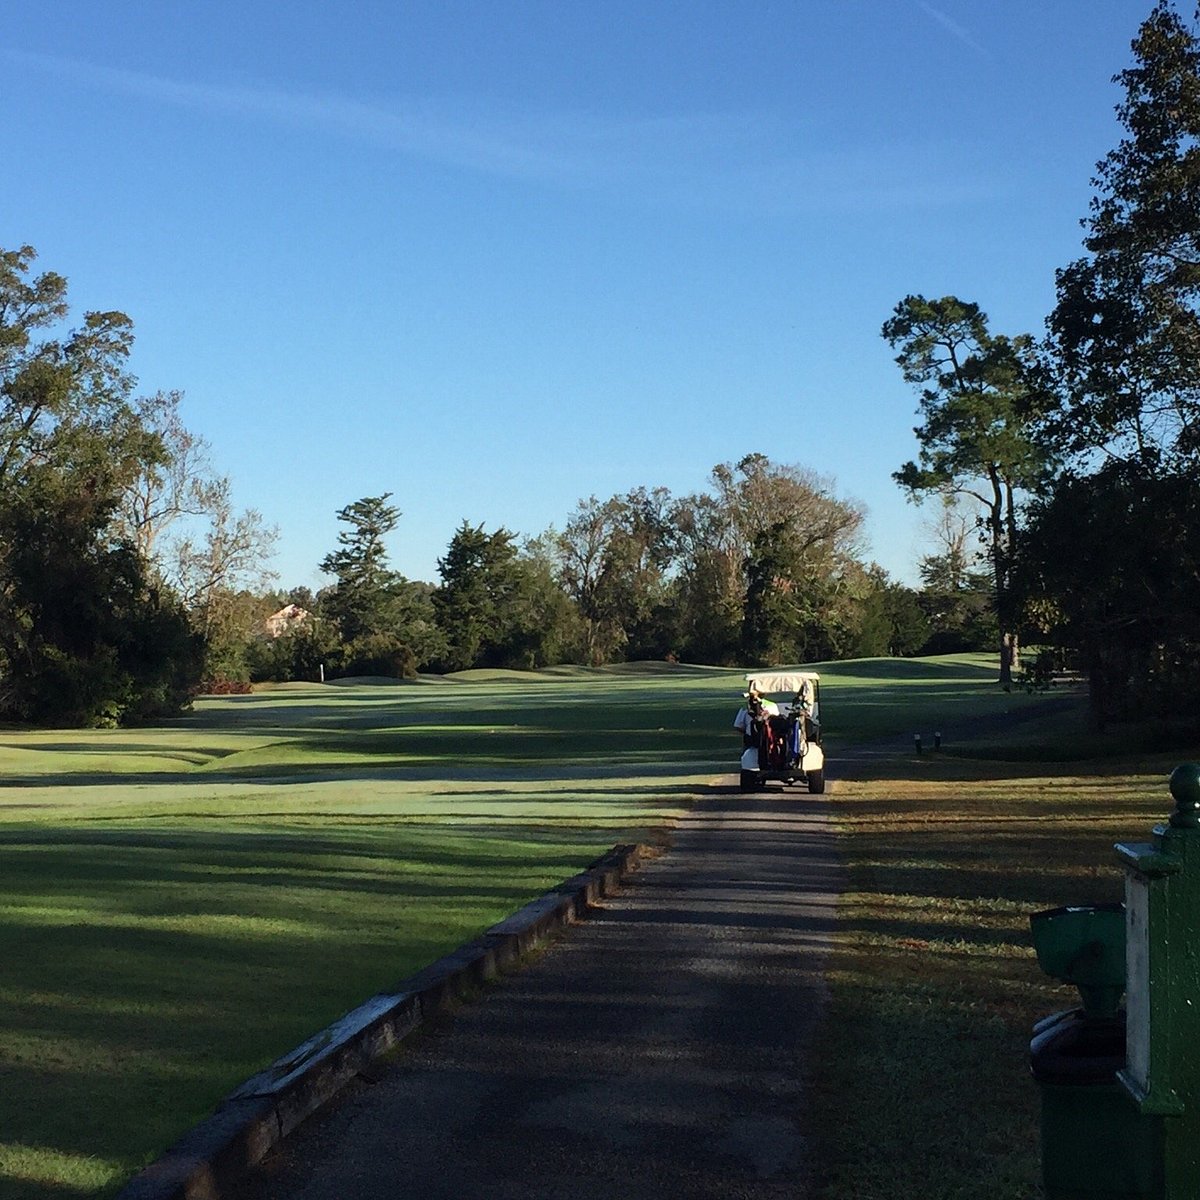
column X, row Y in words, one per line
column 287, row 619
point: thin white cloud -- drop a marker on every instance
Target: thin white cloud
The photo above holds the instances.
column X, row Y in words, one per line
column 563, row 147
column 952, row 27
column 747, row 162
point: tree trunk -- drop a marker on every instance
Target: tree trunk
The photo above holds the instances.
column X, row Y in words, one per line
column 1010, row 658
column 1004, row 533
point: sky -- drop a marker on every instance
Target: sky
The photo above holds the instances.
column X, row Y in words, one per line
column 496, row 256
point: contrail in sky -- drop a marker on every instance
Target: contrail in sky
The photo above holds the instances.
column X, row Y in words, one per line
column 952, row 26
column 743, row 161
column 559, row 147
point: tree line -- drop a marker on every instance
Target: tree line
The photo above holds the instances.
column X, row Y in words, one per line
column 1063, row 469
column 766, row 565
column 129, row 580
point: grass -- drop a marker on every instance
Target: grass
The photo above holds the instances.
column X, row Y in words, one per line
column 934, row 985
column 183, row 904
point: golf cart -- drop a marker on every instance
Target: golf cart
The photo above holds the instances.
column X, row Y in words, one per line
column 783, row 744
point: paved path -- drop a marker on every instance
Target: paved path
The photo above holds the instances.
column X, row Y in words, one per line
column 656, row 1050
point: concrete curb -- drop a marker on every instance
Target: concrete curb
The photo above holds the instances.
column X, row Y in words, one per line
column 210, row 1159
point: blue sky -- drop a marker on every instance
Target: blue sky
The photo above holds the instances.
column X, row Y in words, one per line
column 495, row 257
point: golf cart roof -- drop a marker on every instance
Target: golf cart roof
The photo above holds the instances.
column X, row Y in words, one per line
column 781, row 681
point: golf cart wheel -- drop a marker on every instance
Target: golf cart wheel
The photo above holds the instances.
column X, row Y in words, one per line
column 816, row 781
column 749, row 781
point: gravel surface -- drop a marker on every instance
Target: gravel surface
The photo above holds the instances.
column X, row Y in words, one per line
column 655, row 1050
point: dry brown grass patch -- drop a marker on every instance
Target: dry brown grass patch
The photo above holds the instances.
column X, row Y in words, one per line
column 922, row 1080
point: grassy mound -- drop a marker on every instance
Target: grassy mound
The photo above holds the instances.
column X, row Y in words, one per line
column 367, row 681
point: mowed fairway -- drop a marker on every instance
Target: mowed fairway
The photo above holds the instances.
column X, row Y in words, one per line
column 184, row 903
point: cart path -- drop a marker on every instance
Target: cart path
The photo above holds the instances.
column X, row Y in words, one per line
column 657, row 1049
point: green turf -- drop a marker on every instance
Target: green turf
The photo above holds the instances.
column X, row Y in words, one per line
column 183, row 904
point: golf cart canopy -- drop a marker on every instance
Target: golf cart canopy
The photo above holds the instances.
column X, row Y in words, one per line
column 781, row 681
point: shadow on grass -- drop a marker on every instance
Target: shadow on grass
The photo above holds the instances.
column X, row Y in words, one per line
column 160, row 967
column 624, row 721
column 415, row 768
column 935, row 985
column 942, row 1107
column 159, row 971
column 162, row 749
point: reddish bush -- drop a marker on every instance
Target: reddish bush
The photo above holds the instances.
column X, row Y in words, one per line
column 222, row 687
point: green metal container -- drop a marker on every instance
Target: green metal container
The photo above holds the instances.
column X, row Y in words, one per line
column 1095, row 1143
column 1084, row 945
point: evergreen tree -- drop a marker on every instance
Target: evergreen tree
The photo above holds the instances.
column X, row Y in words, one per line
column 365, row 600
column 979, row 406
column 475, row 604
column 1125, row 333
column 386, row 623
column 1113, row 557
